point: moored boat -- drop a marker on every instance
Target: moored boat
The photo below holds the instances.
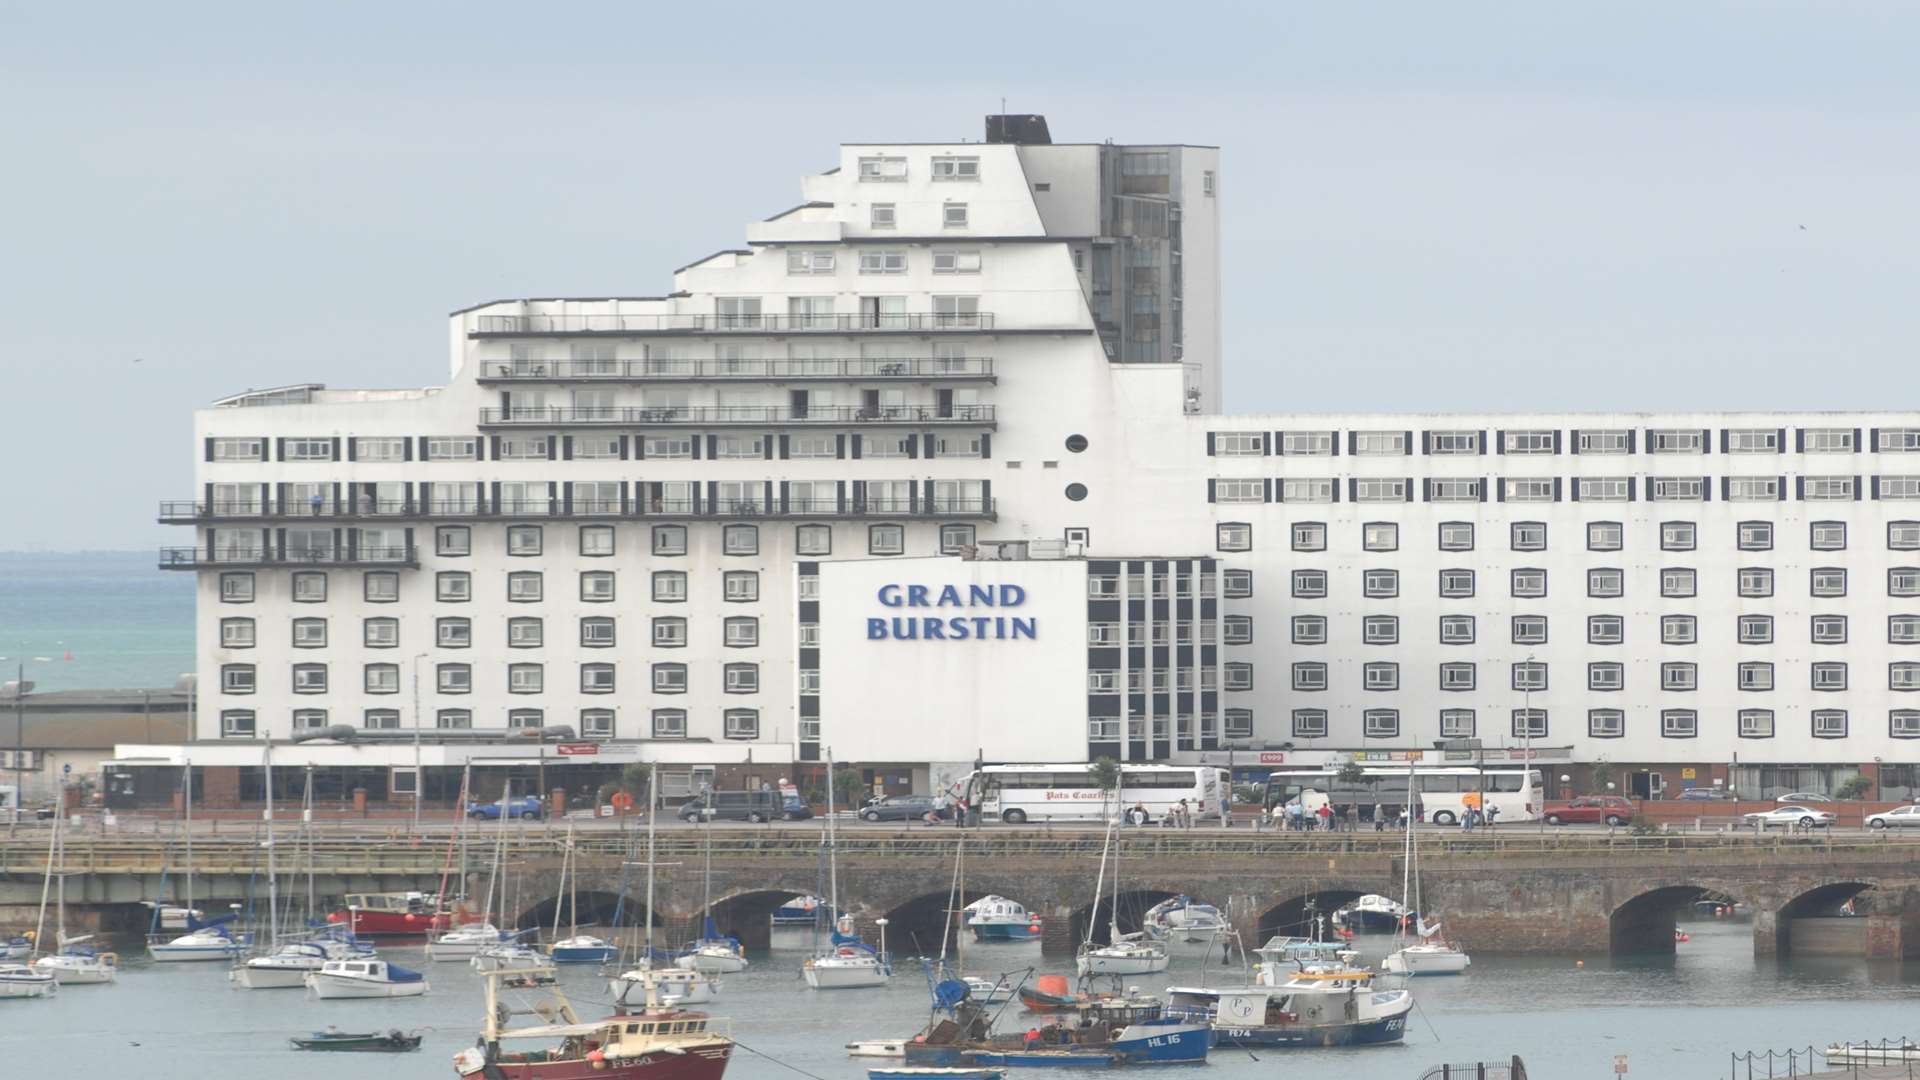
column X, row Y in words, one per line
column 877, row 1048
column 977, row 1073
column 1316, row 1005
column 1126, row 954
column 286, row 968
column 960, row 1034
column 400, row 914
column 393, row 1041
column 1185, row 918
column 996, row 918
column 1373, row 912
column 341, row 979
column 507, row 956
column 582, row 949
column 656, row 1043
column 17, row 947
column 465, row 942
column 210, row 940
column 79, row 964
column 799, row 911
column 21, row 981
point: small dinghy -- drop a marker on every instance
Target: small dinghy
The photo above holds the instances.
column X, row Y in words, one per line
column 377, row 1042
column 878, row 1048
column 936, row 1074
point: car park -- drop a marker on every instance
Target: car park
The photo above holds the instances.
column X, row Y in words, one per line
column 1590, row 810
column 1900, row 817
column 1788, row 817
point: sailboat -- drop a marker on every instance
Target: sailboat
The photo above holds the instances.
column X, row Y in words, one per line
column 77, row 963
column 286, row 966
column 1124, row 954
column 672, row 985
column 205, row 939
column 576, row 948
column 466, row 941
column 1431, row 954
column 714, row 952
column 979, row 988
column 847, row 962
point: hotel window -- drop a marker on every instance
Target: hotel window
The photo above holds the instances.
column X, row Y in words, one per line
column 453, row 586
column 740, row 586
column 1103, row 634
column 1309, row 723
column 525, row 719
column 1239, row 723
column 809, row 587
column 1309, row 584
column 1378, row 443
column 955, row 261
column 741, row 723
column 1829, row 629
column 1755, row 675
column 1676, row 488
column 1239, row 491
column 883, row 261
column 1826, row 488
column 309, row 678
column 953, row 215
column 669, row 723
column 1606, row 723
column 669, row 539
column 307, row 450
column 523, row 448
column 1528, row 535
column 956, row 168
column 1380, row 724
column 1463, row 489
column 1830, row 675
column 380, row 633
column 525, row 587
column 1456, row 536
column 462, row 448
column 1236, row 584
column 1380, row 584
column 237, row 724
column 1306, row 443
column 526, row 633
column 801, row 261
column 309, row 719
column 596, row 540
column 1309, row 630
column 1904, row 724
column 1903, row 536
column 380, row 719
column 1606, row 629
column 1828, row 581
column 1306, row 490
column 1898, row 440
column 526, row 678
column 1753, row 441
column 1829, row 723
column 239, row 450
column 1827, row 440
column 308, row 633
column 1827, row 535
column 740, row 540
column 1458, row 675
column 1103, row 681
column 1679, row 536
column 1679, row 630
column 1537, row 489
column 382, row 679
column 1605, row 442
column 1456, row 583
column 1605, row 536
column 1380, row 536
column 883, row 169
column 1753, row 488
column 453, row 678
column 1529, row 629
column 1903, row 581
column 880, row 216
column 886, row 539
column 596, row 678
column 596, row 723
column 1309, row 675
column 453, row 541
column 236, row 587
column 1606, row 676
column 1239, row 629
column 1897, row 487
column 1605, row 488
column 1756, row 581
column 669, row 678
column 1756, row 536
column 740, row 632
column 524, row 541
column 1456, row 630
column 309, row 587
column 1679, row 675
column 669, row 632
column 1529, row 442
column 1456, row 723
column 1233, row 536
column 596, row 586
column 1678, row 582
column 1309, row 536
column 1756, row 629
column 1237, row 675
column 1453, row 442
column 381, row 587
column 1679, row 723
column 955, row 538
column 813, row 540
column 669, row 586
column 1528, row 582
column 1239, row 444
column 453, row 633
column 1606, row 581
column 1901, row 629
column 1529, row 723
column 667, row 448
column 239, row 633
column 1373, row 491
column 1676, row 441
column 1529, row 675
column 1380, row 630
column 1902, row 676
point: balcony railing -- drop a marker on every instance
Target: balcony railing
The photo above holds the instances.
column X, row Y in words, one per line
column 238, row 557
column 659, row 369
column 188, row 512
column 902, row 322
column 733, row 415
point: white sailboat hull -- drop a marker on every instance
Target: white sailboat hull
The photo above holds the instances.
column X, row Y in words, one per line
column 76, row 970
column 181, row 954
column 269, row 976
column 674, row 986
column 334, row 988
column 22, row 983
column 834, row 973
column 712, row 963
column 1426, row 960
column 1094, row 963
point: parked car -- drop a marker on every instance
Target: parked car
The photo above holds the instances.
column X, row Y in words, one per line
column 1705, row 794
column 1900, row 817
column 1799, row 798
column 754, row 806
column 903, row 808
column 1788, row 817
column 1590, row 809
column 526, row 806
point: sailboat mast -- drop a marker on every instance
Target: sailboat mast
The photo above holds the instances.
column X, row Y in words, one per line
column 1406, row 857
column 186, row 785
column 306, row 827
column 1100, row 881
column 46, row 884
column 653, row 775
column 273, row 875
column 833, row 850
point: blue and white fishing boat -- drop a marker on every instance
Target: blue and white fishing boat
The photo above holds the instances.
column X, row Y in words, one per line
column 996, row 918
column 960, row 1035
column 1290, row 952
column 1185, row 918
column 368, row 978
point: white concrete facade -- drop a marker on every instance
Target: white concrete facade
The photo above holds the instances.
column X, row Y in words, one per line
column 912, row 361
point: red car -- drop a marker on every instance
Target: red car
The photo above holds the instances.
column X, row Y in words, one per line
column 1590, row 809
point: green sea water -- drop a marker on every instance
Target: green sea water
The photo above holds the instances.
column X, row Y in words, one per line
column 124, row 622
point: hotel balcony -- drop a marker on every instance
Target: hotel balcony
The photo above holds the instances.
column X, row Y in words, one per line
column 914, row 322
column 224, row 557
column 658, row 370
column 187, row 512
column 710, row 416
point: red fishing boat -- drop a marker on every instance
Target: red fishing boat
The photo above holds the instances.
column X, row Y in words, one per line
column 407, row 914
column 654, row 1043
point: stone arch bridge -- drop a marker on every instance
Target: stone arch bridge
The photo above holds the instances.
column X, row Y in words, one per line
column 1517, row 891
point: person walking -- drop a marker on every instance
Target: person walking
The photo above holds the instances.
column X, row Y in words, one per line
column 1183, row 814
column 1294, row 817
column 1379, row 818
column 1326, row 816
column 1493, row 811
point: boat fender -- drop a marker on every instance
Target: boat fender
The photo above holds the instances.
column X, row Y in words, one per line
column 110, row 959
column 597, row 1058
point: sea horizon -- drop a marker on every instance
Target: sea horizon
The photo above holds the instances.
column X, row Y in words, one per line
column 94, row 619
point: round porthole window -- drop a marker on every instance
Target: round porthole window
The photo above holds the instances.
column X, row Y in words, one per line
column 1076, row 443
column 1076, row 492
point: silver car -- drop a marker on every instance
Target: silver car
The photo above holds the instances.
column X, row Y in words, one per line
column 1788, row 817
column 1900, row 817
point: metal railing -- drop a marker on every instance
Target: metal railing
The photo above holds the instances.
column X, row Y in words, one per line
column 850, row 322
column 658, row 368
column 1880, row 1060
column 188, row 511
column 1511, row 1069
column 707, row 415
column 189, row 558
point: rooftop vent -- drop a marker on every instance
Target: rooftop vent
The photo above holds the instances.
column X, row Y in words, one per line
column 1021, row 129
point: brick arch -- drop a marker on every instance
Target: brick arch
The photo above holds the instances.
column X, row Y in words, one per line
column 597, row 908
column 1132, row 907
column 1298, row 914
column 1643, row 924
column 1815, row 901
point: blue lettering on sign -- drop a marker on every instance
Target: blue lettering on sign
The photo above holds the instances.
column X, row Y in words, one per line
column 953, row 627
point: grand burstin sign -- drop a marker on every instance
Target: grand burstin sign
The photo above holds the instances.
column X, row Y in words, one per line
column 947, row 625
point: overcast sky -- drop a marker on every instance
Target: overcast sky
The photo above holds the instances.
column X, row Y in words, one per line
column 1426, row 206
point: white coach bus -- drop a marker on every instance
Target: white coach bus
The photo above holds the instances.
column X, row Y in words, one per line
column 1021, row 793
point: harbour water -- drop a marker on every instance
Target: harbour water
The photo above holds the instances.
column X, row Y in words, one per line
column 125, row 623
column 1675, row 1018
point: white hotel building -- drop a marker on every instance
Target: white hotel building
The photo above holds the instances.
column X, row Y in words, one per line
column 668, row 522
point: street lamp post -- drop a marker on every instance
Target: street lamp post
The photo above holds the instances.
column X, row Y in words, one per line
column 1526, row 737
column 419, row 780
